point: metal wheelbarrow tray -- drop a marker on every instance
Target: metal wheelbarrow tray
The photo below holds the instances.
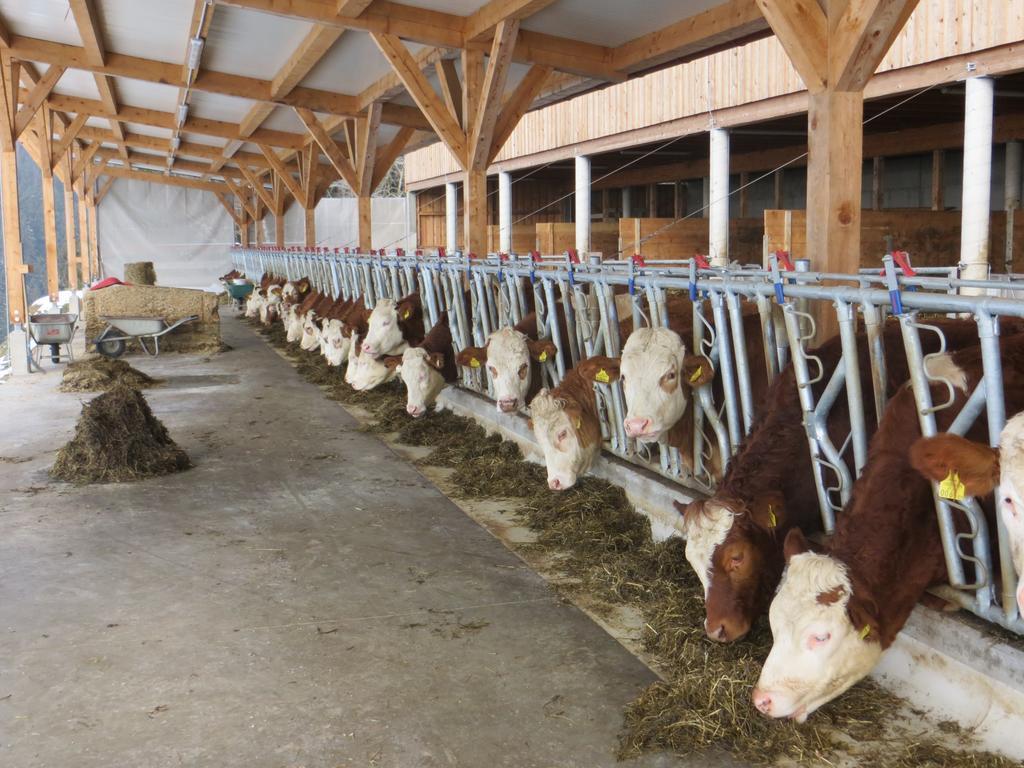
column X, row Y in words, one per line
column 111, row 343
column 53, row 330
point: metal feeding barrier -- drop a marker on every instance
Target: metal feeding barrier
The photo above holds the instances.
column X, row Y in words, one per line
column 585, row 307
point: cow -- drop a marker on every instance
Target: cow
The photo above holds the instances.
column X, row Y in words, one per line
column 566, row 424
column 427, row 368
column 981, row 469
column 393, row 326
column 294, row 316
column 364, row 371
column 838, row 609
column 734, row 539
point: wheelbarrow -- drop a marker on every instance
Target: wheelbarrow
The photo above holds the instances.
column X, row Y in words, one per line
column 52, row 331
column 120, row 330
column 238, row 290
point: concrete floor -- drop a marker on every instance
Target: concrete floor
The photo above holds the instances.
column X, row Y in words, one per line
column 302, row 597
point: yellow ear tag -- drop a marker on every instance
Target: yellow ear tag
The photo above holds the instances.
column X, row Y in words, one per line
column 406, row 314
column 696, row 374
column 543, row 356
column 602, row 376
column 579, row 423
column 772, row 520
column 474, row 363
column 952, row 488
column 865, row 632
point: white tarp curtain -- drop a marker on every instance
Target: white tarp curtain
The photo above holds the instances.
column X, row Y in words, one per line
column 186, row 233
column 337, row 224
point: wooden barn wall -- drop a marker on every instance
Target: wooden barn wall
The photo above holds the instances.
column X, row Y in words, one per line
column 533, row 202
column 557, row 238
column 749, row 73
column 671, row 239
column 932, row 238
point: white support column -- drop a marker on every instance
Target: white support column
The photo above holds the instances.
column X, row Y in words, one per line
column 1012, row 179
column 412, row 222
column 582, row 204
column 451, row 216
column 718, row 211
column 977, row 179
column 627, row 202
column 505, row 211
column 705, row 197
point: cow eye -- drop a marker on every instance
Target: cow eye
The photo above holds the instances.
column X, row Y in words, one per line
column 386, row 323
column 823, row 638
column 670, row 376
column 562, row 435
column 737, row 558
column 493, row 370
column 524, row 369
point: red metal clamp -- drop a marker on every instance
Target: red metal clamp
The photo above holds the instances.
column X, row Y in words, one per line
column 785, row 263
column 702, row 261
column 638, row 260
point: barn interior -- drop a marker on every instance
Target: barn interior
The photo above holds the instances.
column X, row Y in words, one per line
column 313, row 591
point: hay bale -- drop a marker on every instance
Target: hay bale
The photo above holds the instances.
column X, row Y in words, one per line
column 201, row 336
column 98, row 374
column 118, row 439
column 140, row 273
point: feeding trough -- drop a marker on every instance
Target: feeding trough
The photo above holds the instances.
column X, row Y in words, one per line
column 53, row 330
column 114, row 339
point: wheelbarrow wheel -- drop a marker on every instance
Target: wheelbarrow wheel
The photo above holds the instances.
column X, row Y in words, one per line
column 112, row 349
column 55, row 353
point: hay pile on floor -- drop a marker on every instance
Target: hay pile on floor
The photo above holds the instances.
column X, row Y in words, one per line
column 118, row 439
column 605, row 547
column 98, row 374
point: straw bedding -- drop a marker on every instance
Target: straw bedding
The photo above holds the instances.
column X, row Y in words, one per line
column 97, row 374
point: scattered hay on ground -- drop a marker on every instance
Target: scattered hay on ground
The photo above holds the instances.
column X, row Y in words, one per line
column 605, row 547
column 98, row 373
column 118, row 439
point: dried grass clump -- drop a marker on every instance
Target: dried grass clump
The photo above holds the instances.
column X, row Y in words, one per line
column 118, row 439
column 140, row 273
column 97, row 374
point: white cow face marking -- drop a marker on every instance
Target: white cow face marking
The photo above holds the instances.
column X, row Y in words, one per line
column 310, row 333
column 705, row 532
column 335, row 343
column 384, row 335
column 253, row 304
column 365, row 372
column 293, row 324
column 1011, row 503
column 423, row 381
column 651, row 369
column 508, row 365
column 289, row 291
column 565, row 455
column 817, row 652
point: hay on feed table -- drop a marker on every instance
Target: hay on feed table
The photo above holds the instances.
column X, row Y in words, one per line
column 97, row 373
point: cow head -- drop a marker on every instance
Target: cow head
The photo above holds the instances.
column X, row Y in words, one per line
column 981, row 470
column 507, row 359
column 657, row 376
column 253, row 304
column 293, row 323
column 421, row 372
column 384, row 334
column 568, row 436
column 335, row 343
column 825, row 636
column 732, row 548
column 310, row 332
column 364, row 372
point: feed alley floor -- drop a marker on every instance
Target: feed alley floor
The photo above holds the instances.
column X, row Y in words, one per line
column 302, row 597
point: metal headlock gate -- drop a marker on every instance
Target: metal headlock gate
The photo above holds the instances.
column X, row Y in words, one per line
column 482, row 295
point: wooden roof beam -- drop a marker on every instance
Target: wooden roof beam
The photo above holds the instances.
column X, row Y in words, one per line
column 802, row 29
column 69, row 135
column 481, row 23
column 516, row 106
column 367, row 130
column 862, row 37
column 387, row 155
column 493, row 90
column 330, row 147
column 36, row 97
column 154, row 177
column 283, row 172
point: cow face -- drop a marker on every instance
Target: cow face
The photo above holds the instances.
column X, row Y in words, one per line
column 384, row 334
column 335, row 343
column 731, row 547
column 824, row 637
column 1011, row 494
column 507, row 358
column 293, row 324
column 253, row 304
column 656, row 381
column 564, row 435
column 421, row 372
column 310, row 332
column 365, row 372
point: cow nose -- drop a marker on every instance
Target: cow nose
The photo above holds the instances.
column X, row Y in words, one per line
column 555, row 484
column 636, row 427
column 763, row 701
column 719, row 635
column 413, row 410
column 508, row 404
column 368, row 349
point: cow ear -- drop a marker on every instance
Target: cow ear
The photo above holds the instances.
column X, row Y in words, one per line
column 795, row 543
column 542, row 350
column 436, row 360
column 768, row 511
column 690, row 513
column 603, row 370
column 529, row 424
column 392, row 361
column 941, row 457
column 697, row 370
column 405, row 309
column 472, row 357
column 863, row 613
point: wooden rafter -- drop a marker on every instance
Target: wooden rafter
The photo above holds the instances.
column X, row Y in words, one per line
column 154, row 177
column 482, row 22
column 802, row 29
column 330, row 147
column 387, row 155
column 283, row 172
column 257, row 185
column 516, row 105
column 36, row 97
column 863, row 35
column 69, row 135
column 478, row 151
column 367, row 129
column 451, row 88
column 104, row 188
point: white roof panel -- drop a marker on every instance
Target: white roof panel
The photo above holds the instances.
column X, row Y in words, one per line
column 353, row 64
column 458, row 7
column 199, row 138
column 249, row 43
column 44, row 19
column 217, row 107
column 147, row 130
column 609, row 22
column 97, row 122
column 136, row 93
column 150, row 30
column 284, row 119
column 75, row 82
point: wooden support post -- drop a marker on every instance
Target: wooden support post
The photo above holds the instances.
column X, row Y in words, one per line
column 310, row 227
column 877, row 183
column 243, row 230
column 94, row 248
column 777, row 180
column 474, row 192
column 279, row 228
column 16, row 305
column 744, row 203
column 84, row 249
column 50, row 232
column 74, row 279
column 365, row 223
column 679, row 200
column 938, row 180
column 606, row 205
column 652, row 201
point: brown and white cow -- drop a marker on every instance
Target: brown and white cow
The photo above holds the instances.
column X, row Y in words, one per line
column 981, row 469
column 837, row 610
column 427, row 368
column 364, row 371
column 566, row 424
column 393, row 326
column 734, row 539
